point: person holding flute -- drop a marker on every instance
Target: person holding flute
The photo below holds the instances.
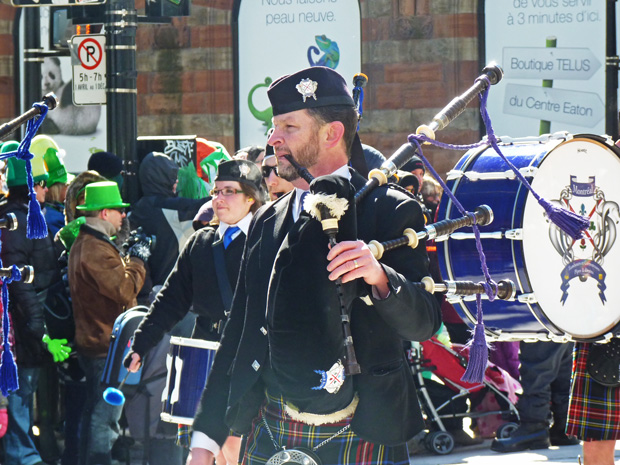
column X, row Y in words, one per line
column 289, row 406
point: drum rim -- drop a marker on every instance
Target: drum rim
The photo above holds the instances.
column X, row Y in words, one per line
column 168, row 418
column 198, row 343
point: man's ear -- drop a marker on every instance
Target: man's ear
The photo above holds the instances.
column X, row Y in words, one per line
column 334, row 132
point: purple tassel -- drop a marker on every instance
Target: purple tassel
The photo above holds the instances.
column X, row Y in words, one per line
column 478, row 357
column 8, row 372
column 37, row 227
column 8, row 369
column 478, row 350
column 571, row 223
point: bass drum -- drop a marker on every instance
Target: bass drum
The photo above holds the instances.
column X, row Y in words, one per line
column 563, row 290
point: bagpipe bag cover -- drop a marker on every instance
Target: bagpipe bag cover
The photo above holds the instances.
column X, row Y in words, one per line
column 303, row 312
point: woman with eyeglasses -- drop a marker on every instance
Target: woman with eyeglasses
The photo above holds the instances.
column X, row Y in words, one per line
column 211, row 251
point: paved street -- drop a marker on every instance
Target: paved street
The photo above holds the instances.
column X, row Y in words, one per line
column 483, row 455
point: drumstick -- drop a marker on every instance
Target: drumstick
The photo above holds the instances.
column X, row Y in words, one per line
column 114, row 396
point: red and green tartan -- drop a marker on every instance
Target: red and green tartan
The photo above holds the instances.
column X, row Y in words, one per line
column 594, row 410
column 345, row 449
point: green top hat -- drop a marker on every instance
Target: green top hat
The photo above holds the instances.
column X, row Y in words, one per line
column 16, row 170
column 55, row 167
column 100, row 195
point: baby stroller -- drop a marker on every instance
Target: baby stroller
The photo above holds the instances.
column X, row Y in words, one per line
column 448, row 365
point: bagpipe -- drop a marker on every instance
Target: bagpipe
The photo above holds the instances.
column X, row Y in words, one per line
column 35, row 229
column 299, row 280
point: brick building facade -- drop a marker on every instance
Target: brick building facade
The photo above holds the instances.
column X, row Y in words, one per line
column 418, row 55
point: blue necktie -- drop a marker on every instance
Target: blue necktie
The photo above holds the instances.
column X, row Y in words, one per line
column 228, row 235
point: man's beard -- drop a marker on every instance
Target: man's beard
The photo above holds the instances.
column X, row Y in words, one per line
column 307, row 157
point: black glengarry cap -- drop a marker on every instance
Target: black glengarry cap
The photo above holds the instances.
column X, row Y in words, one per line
column 241, row 171
column 313, row 87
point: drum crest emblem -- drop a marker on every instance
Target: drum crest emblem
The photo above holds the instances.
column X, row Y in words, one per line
column 585, row 257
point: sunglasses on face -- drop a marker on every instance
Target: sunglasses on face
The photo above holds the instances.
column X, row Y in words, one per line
column 120, row 210
column 42, row 184
column 226, row 192
column 268, row 169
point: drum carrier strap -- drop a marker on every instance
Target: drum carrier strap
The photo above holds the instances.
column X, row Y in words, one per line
column 222, row 281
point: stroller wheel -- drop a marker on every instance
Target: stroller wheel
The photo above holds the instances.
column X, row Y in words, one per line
column 439, row 442
column 506, row 430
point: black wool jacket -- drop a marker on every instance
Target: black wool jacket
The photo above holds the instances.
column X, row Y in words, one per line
column 192, row 284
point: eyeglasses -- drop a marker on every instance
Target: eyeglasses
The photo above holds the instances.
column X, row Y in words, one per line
column 42, row 184
column 268, row 169
column 226, row 192
column 120, row 210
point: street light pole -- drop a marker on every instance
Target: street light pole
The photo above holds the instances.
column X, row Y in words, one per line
column 122, row 132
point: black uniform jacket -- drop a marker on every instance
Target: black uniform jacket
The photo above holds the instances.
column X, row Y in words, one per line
column 193, row 281
column 388, row 411
column 26, row 300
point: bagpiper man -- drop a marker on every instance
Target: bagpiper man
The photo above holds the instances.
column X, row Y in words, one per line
column 279, row 377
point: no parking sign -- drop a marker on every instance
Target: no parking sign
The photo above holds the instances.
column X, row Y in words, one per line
column 89, row 78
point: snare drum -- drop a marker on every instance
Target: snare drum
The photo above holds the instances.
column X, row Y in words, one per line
column 567, row 290
column 189, row 362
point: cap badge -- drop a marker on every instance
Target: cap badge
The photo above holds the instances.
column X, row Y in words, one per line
column 307, row 88
column 244, row 170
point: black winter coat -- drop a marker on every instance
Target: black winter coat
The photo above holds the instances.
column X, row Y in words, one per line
column 26, row 300
column 162, row 214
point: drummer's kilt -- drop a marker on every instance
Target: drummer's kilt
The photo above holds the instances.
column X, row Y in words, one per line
column 594, row 410
column 346, row 448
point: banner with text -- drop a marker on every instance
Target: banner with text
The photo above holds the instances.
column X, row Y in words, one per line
column 277, row 37
column 553, row 56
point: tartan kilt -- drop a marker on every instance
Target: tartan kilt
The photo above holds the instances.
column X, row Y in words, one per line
column 594, row 410
column 345, row 449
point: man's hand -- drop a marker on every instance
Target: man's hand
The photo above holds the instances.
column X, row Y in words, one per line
column 132, row 362
column 58, row 348
column 198, row 456
column 231, row 449
column 350, row 260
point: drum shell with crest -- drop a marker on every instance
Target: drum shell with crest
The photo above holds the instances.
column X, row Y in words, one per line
column 565, row 288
